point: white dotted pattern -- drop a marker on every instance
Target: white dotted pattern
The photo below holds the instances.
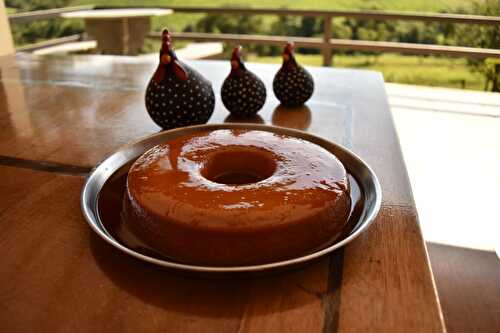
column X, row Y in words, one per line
column 175, row 103
column 243, row 95
column 293, row 87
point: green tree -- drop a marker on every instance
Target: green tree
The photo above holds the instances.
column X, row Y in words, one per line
column 484, row 36
column 23, row 5
column 230, row 24
column 40, row 30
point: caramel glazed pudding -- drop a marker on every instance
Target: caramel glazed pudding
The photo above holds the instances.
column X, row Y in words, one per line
column 236, row 197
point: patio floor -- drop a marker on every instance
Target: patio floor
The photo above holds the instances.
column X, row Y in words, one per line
column 451, row 145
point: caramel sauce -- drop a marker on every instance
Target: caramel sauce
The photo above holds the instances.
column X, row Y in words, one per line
column 236, row 178
column 110, row 210
column 297, row 181
column 265, row 196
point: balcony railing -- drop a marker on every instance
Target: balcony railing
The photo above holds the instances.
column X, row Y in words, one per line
column 326, row 43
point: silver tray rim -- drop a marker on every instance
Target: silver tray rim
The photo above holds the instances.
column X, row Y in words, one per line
column 94, row 182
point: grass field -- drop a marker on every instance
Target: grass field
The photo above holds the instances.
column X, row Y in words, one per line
column 179, row 21
column 411, row 5
column 432, row 71
column 428, row 71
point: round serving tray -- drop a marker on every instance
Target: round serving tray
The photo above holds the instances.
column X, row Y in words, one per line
column 363, row 174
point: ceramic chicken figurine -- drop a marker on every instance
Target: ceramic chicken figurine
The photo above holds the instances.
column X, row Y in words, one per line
column 243, row 93
column 177, row 95
column 293, row 85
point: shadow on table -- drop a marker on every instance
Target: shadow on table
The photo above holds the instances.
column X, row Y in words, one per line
column 255, row 119
column 297, row 117
column 210, row 297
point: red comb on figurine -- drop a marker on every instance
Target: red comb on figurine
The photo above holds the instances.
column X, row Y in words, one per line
column 236, row 53
column 168, row 58
column 177, row 95
column 242, row 92
column 291, row 74
column 288, row 57
column 166, row 41
column 236, row 63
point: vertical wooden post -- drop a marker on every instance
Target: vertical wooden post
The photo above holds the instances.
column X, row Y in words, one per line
column 6, row 44
column 125, row 37
column 327, row 34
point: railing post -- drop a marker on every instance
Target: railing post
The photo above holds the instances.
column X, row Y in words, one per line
column 327, row 35
column 6, row 44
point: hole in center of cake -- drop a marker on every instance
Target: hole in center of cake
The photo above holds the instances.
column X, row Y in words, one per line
column 237, row 178
column 239, row 166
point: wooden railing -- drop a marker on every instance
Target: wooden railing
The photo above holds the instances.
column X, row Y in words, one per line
column 46, row 14
column 364, row 14
column 325, row 43
column 51, row 42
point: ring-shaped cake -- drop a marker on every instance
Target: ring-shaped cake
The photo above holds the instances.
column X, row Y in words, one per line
column 236, row 197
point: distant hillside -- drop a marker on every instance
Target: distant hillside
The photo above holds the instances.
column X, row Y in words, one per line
column 434, row 71
column 409, row 5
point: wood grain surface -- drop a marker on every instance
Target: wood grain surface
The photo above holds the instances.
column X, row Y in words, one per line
column 468, row 282
column 62, row 115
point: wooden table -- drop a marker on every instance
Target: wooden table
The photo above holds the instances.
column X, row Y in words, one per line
column 118, row 31
column 60, row 116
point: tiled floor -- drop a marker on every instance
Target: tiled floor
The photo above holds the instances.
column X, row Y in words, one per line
column 451, row 144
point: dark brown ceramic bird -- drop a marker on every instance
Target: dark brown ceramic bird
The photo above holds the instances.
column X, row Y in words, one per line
column 293, row 85
column 242, row 92
column 177, row 95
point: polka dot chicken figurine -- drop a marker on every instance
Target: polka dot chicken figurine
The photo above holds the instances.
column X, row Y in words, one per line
column 243, row 93
column 293, row 85
column 177, row 95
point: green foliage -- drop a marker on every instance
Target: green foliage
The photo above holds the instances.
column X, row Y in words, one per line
column 296, row 26
column 485, row 37
column 490, row 68
column 412, row 71
column 409, row 5
column 340, row 29
column 23, row 5
column 396, row 31
column 40, row 30
column 429, row 71
column 236, row 24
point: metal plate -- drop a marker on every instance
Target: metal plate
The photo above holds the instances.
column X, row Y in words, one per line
column 364, row 175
